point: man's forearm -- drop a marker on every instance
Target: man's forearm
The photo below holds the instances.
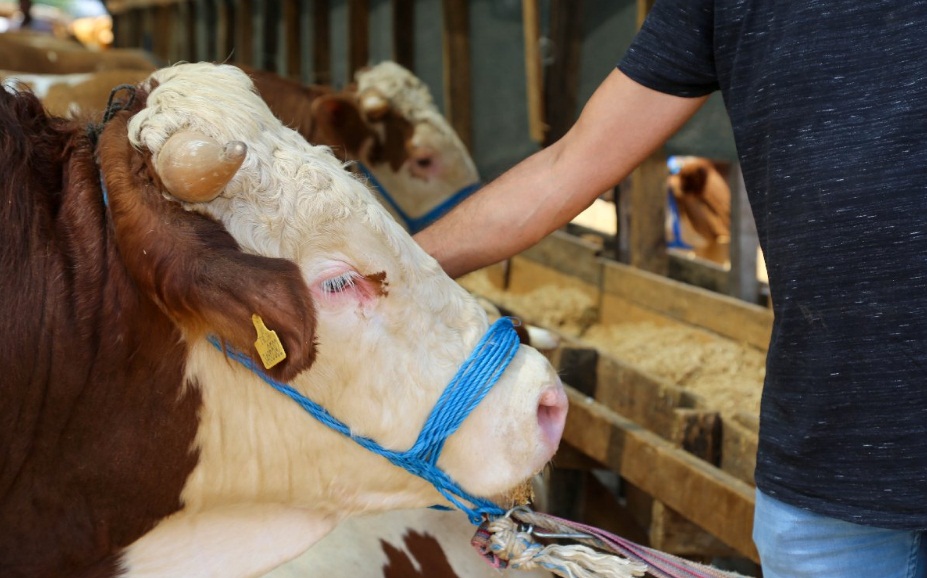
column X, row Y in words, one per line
column 487, row 223
column 622, row 123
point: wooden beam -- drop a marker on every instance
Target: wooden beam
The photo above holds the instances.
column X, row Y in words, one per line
column 561, row 83
column 223, row 26
column 705, row 495
column 456, row 41
column 534, row 70
column 358, row 36
column 732, row 318
column 404, row 33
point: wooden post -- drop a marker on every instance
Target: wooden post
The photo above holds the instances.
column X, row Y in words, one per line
column 561, row 83
column 321, row 35
column 163, row 35
column 456, row 41
column 244, row 32
column 358, row 36
column 222, row 38
column 404, row 33
column 647, row 237
column 534, row 70
column 293, row 37
column 643, row 7
column 270, row 11
column 648, row 213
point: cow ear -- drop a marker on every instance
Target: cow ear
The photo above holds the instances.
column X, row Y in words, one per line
column 192, row 268
column 339, row 122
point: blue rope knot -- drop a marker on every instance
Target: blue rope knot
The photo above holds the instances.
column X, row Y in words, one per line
column 416, row 224
column 473, row 380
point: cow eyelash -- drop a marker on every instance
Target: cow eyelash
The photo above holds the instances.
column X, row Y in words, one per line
column 340, row 283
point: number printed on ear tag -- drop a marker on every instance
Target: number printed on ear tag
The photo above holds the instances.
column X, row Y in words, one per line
column 268, row 345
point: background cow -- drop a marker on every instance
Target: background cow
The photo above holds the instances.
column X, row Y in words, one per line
column 33, row 52
column 702, row 201
column 386, row 122
column 77, row 95
column 134, row 446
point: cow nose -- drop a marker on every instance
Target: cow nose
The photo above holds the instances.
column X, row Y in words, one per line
column 552, row 412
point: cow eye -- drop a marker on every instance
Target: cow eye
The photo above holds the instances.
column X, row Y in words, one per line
column 341, row 283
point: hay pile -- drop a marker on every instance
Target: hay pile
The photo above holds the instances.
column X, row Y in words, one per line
column 726, row 375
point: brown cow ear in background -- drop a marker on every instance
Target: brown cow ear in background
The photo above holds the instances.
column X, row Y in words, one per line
column 339, row 122
column 193, row 269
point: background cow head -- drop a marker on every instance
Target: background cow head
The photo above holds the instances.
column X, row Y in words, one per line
column 389, row 122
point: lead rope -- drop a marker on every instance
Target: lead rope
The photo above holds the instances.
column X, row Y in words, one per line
column 510, row 541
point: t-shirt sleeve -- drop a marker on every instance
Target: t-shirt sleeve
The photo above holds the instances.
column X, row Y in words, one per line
column 673, row 51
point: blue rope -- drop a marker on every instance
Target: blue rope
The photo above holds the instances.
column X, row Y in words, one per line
column 473, row 380
column 416, row 224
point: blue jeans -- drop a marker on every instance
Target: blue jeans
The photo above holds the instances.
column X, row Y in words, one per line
column 796, row 543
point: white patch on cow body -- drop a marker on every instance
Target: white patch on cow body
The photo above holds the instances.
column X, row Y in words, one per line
column 242, row 541
column 380, row 366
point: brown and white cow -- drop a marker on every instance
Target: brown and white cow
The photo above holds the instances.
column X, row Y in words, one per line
column 386, row 122
column 132, row 446
column 34, row 52
column 702, row 200
column 399, row 544
column 77, row 95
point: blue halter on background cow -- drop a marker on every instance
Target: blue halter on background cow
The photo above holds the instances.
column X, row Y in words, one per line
column 416, row 224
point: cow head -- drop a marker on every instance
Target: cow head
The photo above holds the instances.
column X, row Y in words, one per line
column 390, row 124
column 372, row 327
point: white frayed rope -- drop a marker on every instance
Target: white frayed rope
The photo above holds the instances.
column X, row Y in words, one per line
column 509, row 541
column 522, row 552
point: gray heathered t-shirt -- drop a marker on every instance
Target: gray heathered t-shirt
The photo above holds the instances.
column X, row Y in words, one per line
column 828, row 100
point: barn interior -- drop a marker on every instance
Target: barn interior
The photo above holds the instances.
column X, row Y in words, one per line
column 662, row 343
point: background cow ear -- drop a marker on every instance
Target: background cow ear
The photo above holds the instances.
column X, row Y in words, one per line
column 193, row 269
column 339, row 121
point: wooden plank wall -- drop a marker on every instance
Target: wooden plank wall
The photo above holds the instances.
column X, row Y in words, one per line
column 284, row 36
column 294, row 38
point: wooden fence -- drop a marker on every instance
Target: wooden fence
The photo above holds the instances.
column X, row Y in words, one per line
column 295, row 39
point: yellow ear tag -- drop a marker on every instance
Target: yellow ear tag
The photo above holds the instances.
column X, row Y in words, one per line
column 268, row 345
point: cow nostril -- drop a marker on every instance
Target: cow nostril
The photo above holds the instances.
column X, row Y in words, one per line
column 552, row 412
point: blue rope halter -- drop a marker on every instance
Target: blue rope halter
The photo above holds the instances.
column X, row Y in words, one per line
column 416, row 224
column 473, row 380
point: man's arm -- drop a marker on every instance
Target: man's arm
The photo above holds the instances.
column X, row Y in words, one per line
column 619, row 127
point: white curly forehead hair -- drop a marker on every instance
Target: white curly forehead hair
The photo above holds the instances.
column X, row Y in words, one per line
column 217, row 100
column 284, row 187
column 405, row 91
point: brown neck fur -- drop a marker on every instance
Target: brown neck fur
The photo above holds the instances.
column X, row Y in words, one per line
column 96, row 428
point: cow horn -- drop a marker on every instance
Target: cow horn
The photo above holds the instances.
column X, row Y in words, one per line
column 195, row 168
column 373, row 103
